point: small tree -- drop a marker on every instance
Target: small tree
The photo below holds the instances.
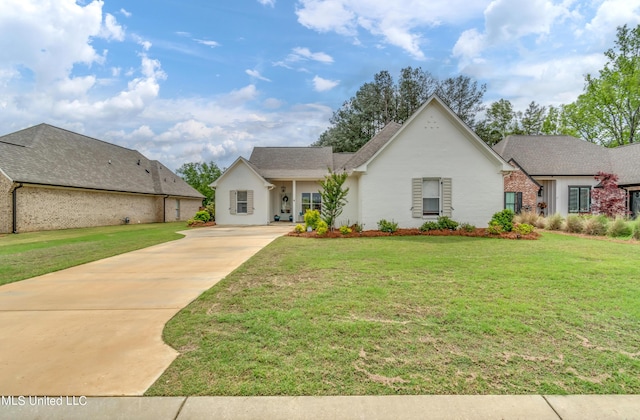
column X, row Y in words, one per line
column 607, row 198
column 333, row 197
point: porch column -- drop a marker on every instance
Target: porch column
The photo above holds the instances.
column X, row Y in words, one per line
column 294, row 206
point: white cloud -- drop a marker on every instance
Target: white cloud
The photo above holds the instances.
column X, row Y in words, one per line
column 322, row 85
column 306, row 54
column 111, row 28
column 271, row 3
column 614, row 13
column 125, row 13
column 212, row 44
column 398, row 23
column 256, row 74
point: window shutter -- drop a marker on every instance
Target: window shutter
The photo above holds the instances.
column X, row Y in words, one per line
column 416, row 197
column 518, row 202
column 233, row 207
column 249, row 201
column 447, row 209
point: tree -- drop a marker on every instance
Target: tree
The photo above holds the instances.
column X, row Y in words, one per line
column 200, row 176
column 607, row 198
column 609, row 109
column 533, row 119
column 499, row 122
column 464, row 97
column 415, row 86
column 334, row 197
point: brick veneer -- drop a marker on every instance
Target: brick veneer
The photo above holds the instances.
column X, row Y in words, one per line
column 518, row 181
column 41, row 208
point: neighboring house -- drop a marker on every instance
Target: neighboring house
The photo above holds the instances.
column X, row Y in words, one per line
column 565, row 167
column 433, row 165
column 52, row 178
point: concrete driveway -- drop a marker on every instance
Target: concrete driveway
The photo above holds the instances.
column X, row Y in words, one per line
column 96, row 329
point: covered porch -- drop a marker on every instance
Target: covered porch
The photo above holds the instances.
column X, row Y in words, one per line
column 291, row 198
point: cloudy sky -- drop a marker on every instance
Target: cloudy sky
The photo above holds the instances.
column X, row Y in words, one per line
column 202, row 80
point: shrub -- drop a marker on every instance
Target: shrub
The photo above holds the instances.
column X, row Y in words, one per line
column 299, row 228
column 444, row 222
column 554, row 222
column 357, row 227
column 322, row 228
column 430, row 225
column 386, row 226
column 467, row 227
column 541, row 223
column 574, row 224
column 596, row 226
column 345, row 230
column 211, row 209
column 523, row 228
column 618, row 228
column 636, row 230
column 527, row 217
column 495, row 228
column 203, row 216
column 504, row 218
column 312, row 218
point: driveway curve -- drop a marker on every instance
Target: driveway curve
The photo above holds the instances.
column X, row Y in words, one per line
column 96, row 329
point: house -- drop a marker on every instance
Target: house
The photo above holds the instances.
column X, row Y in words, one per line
column 433, row 165
column 564, row 168
column 52, row 178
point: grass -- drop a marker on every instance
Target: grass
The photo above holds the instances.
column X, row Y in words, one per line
column 415, row 315
column 27, row 255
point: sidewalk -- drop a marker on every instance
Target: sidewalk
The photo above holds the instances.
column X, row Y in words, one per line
column 433, row 407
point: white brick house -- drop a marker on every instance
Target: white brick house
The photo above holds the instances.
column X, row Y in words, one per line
column 432, row 165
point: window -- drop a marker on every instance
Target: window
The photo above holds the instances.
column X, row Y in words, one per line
column 311, row 201
column 241, row 202
column 579, row 199
column 430, row 197
column 513, row 201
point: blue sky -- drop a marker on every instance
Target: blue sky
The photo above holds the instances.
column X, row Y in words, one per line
column 188, row 81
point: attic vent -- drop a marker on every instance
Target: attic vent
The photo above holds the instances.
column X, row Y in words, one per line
column 138, row 162
column 147, row 171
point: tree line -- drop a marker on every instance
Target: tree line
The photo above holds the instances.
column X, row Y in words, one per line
column 607, row 112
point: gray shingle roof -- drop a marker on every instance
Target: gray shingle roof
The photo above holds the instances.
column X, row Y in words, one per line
column 49, row 155
column 626, row 163
column 292, row 162
column 554, row 155
column 370, row 148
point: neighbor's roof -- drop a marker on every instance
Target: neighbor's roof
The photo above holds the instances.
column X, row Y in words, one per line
column 555, row 155
column 626, row 163
column 48, row 155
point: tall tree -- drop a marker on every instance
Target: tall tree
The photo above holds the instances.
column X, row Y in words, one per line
column 609, row 108
column 533, row 119
column 414, row 88
column 200, row 176
column 499, row 122
column 464, row 97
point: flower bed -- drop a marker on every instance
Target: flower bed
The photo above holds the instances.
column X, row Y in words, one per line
column 478, row 232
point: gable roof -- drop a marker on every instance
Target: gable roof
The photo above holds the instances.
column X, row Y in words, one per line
column 395, row 131
column 292, row 162
column 625, row 162
column 371, row 147
column 47, row 155
column 555, row 155
column 241, row 161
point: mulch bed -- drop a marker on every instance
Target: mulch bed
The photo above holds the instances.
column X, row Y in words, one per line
column 479, row 232
column 199, row 223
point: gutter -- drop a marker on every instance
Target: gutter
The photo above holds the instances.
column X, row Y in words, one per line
column 14, row 199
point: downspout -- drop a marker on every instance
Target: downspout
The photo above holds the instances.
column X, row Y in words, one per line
column 164, row 209
column 14, row 196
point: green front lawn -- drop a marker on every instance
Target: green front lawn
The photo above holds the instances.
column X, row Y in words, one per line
column 415, row 315
column 27, row 255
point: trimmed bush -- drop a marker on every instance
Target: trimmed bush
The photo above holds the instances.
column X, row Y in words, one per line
column 322, row 228
column 312, row 218
column 444, row 222
column 203, row 216
column 504, row 218
column 495, row 228
column 596, row 225
column 523, row 228
column 386, row 226
column 574, row 224
column 619, row 228
column 554, row 222
column 345, row 230
column 299, row 228
column 467, row 227
column 430, row 225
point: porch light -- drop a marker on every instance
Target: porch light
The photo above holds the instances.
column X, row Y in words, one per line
column 283, row 188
